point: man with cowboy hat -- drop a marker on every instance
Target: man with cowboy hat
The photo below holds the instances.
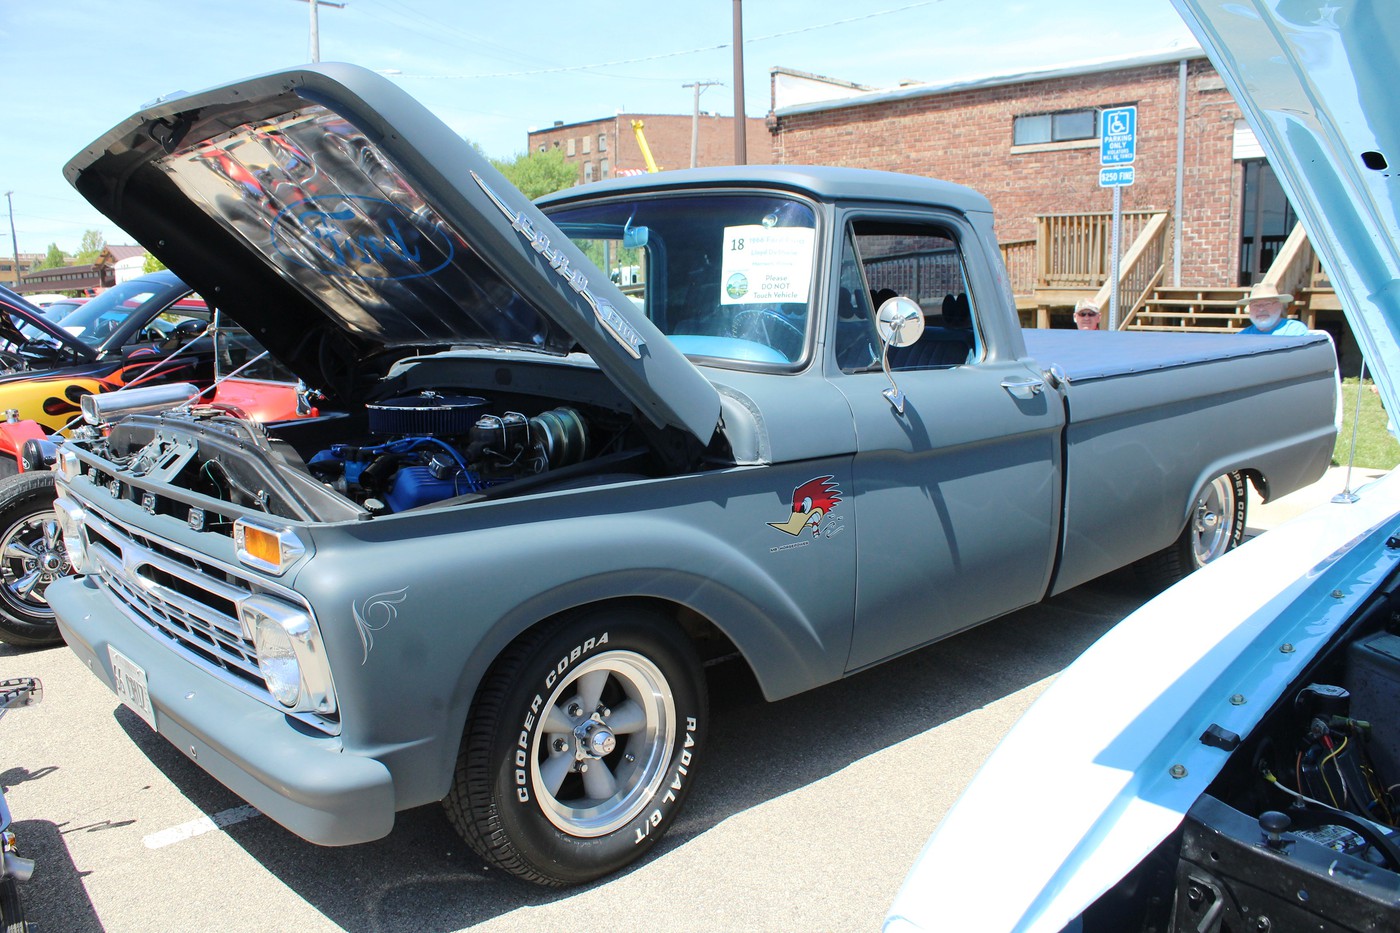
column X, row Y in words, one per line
column 1266, row 307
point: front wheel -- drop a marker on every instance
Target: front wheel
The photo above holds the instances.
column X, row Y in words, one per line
column 581, row 746
column 1216, row 524
column 32, row 556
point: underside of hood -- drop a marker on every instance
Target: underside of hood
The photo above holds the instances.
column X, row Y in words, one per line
column 1314, row 81
column 346, row 226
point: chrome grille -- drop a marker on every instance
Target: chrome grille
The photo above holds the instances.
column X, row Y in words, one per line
column 186, row 600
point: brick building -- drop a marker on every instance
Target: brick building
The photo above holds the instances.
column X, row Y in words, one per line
column 10, row 274
column 607, row 147
column 1030, row 142
column 85, row 279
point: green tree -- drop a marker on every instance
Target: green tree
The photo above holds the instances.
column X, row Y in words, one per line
column 53, row 259
column 152, row 264
column 90, row 247
column 538, row 173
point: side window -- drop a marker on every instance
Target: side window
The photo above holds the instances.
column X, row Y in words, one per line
column 918, row 261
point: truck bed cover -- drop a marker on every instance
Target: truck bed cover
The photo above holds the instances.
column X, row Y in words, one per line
column 1088, row 355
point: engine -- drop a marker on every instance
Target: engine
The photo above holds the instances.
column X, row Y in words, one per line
column 437, row 446
column 1301, row 830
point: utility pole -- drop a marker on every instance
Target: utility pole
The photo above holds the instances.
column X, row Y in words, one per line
column 695, row 116
column 316, row 24
column 741, row 123
column 14, row 241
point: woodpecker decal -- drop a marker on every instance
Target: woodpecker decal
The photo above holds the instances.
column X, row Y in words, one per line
column 811, row 502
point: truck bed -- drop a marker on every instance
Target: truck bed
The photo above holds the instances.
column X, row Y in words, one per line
column 1258, row 404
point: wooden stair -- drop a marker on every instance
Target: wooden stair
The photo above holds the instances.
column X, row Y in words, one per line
column 1191, row 309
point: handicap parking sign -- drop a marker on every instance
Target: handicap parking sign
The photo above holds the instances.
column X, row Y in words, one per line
column 1119, row 136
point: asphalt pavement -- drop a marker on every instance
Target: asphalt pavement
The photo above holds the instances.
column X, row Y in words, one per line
column 807, row 816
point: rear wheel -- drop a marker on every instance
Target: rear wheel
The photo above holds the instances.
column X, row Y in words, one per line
column 1216, row 524
column 32, row 556
column 581, row 746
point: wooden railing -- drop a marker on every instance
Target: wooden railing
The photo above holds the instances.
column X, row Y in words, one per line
column 1292, row 268
column 1140, row 270
column 1074, row 249
column 1019, row 256
column 1320, row 278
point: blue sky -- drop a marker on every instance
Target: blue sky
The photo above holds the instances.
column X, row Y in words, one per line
column 495, row 71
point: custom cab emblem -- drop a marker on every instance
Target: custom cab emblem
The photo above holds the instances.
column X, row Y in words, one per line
column 357, row 237
column 813, row 501
column 608, row 316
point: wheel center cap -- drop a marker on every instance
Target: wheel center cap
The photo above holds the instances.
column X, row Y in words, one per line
column 595, row 739
column 1209, row 520
column 51, row 563
column 601, row 743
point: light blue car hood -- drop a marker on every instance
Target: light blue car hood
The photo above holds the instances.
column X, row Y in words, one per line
column 1316, row 82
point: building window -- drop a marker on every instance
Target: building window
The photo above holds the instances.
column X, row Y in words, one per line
column 602, row 168
column 1055, row 127
column 543, row 148
column 587, row 172
column 569, row 149
column 587, row 145
column 602, row 142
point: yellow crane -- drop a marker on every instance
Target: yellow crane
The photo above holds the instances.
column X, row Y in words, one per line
column 642, row 144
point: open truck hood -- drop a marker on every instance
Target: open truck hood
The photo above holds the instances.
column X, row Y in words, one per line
column 1108, row 761
column 337, row 219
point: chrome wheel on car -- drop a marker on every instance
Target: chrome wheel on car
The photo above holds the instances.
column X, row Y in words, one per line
column 32, row 556
column 1213, row 520
column 582, row 744
column 606, row 737
column 1215, row 524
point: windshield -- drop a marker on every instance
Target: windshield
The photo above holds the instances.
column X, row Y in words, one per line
column 726, row 277
column 95, row 322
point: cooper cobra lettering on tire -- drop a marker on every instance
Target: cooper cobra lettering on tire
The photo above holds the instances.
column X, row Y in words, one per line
column 581, row 746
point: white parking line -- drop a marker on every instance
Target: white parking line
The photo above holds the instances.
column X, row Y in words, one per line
column 205, row 824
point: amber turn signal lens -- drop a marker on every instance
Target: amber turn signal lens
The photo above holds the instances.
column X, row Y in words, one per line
column 262, row 545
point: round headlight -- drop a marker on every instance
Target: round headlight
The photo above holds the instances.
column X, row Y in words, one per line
column 277, row 659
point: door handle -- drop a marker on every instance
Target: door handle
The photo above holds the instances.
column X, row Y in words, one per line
column 1023, row 388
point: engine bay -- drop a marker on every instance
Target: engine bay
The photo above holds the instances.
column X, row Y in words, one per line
column 1302, row 827
column 434, row 446
column 417, row 447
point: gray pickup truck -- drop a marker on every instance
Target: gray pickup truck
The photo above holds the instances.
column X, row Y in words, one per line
column 802, row 430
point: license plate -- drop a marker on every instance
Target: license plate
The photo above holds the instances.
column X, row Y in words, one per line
column 129, row 680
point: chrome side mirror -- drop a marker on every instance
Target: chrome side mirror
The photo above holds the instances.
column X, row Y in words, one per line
column 900, row 322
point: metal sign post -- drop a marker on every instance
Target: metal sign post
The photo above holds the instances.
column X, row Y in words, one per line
column 1117, row 151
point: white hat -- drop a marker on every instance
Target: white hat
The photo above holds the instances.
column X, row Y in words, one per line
column 1264, row 292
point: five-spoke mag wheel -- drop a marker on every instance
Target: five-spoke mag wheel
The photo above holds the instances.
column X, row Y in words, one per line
column 581, row 745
